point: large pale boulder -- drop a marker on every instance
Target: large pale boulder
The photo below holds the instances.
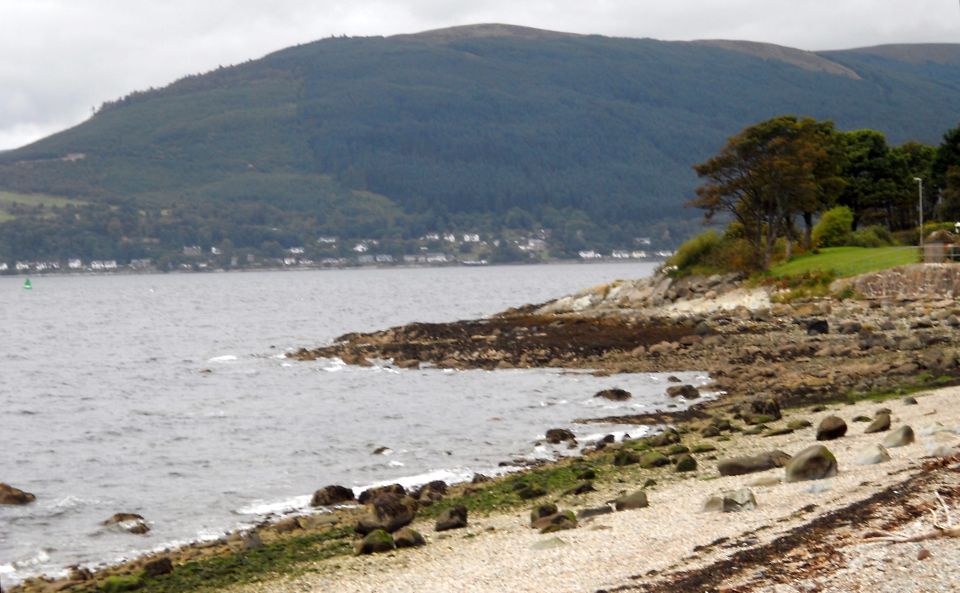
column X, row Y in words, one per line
column 634, row 500
column 873, row 455
column 901, row 437
column 731, row 502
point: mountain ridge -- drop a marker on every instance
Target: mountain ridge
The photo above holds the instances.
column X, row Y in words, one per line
column 494, row 129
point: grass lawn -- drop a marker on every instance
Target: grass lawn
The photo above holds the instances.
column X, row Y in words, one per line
column 7, row 198
column 848, row 261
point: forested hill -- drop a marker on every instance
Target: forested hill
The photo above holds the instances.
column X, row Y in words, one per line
column 492, row 129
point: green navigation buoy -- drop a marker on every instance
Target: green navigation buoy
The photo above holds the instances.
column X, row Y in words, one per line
column 27, row 285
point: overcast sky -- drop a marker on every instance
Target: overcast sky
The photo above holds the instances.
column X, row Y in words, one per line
column 60, row 58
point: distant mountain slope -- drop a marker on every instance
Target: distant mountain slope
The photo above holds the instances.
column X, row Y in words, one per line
column 476, row 128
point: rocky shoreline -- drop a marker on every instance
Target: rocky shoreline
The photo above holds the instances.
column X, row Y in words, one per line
column 765, row 352
column 748, row 343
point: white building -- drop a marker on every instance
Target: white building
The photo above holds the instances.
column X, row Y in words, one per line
column 75, row 264
column 589, row 254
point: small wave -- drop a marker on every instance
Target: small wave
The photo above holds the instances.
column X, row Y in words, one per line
column 224, row 358
column 276, row 507
column 395, row 463
column 450, row 476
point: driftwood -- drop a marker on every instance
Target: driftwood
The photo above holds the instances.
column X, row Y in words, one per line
column 939, row 529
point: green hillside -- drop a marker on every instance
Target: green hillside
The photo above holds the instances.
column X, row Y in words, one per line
column 491, row 129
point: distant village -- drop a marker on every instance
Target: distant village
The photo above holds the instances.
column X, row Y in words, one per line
column 432, row 249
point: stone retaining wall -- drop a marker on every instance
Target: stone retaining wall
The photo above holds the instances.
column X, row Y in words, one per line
column 918, row 281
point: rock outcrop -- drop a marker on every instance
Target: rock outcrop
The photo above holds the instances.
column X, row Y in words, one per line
column 14, row 496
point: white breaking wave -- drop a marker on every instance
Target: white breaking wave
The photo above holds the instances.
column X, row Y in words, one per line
column 224, row 358
column 278, row 507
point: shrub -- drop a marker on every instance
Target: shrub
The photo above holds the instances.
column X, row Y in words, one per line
column 834, row 227
column 695, row 252
column 874, row 236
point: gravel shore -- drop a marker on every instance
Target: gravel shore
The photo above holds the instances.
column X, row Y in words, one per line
column 632, row 550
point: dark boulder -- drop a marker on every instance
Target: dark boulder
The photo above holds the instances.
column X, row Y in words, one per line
column 738, row 466
column 813, row 463
column 330, row 495
column 594, row 512
column 390, row 512
column 14, row 496
column 580, row 489
column 541, row 511
column 686, row 463
column 530, row 491
column 615, row 394
column 684, row 391
column 816, row 327
column 555, row 436
column 665, row 438
column 375, row 542
column 408, row 538
column 830, row 428
column 158, row 567
column 452, row 518
column 625, row 457
column 367, row 496
column 767, row 407
column 430, row 492
column 559, row 522
column 651, row 459
column 880, row 424
column 129, row 522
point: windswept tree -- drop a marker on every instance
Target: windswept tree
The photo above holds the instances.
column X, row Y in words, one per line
column 767, row 175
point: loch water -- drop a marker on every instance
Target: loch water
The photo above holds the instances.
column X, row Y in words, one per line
column 170, row 396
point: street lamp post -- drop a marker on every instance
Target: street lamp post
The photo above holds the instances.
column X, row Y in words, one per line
column 920, row 210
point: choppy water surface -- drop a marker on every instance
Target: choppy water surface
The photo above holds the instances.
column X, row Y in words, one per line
column 168, row 396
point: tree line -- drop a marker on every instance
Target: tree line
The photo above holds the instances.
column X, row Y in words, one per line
column 774, row 179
